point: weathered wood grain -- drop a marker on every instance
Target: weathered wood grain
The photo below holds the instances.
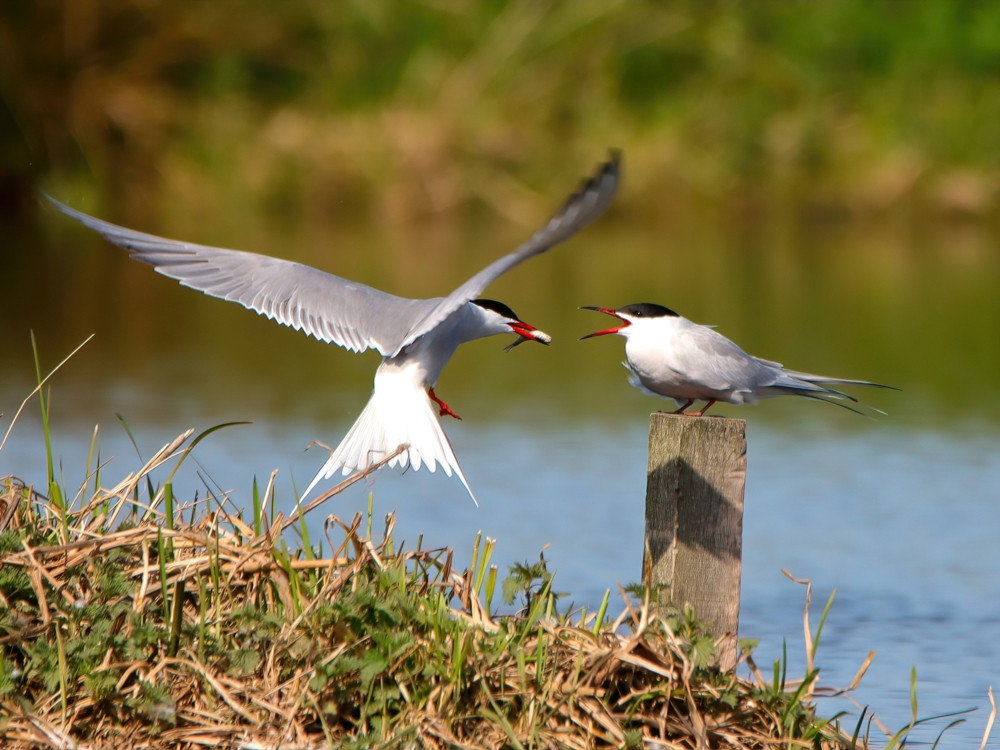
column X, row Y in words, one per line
column 694, row 519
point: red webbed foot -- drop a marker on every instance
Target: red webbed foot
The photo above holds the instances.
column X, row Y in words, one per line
column 444, row 408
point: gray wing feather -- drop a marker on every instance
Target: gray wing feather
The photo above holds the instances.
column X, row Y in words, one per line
column 327, row 307
column 718, row 363
column 579, row 210
column 733, row 365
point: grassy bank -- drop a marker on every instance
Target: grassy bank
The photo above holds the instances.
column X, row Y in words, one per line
column 132, row 617
column 126, row 620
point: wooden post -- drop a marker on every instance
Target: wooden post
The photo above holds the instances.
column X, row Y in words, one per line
column 694, row 519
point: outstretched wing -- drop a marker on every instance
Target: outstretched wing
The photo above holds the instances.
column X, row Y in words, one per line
column 331, row 309
column 579, row 210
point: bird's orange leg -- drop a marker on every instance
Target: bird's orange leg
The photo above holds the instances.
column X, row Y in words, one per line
column 680, row 409
column 445, row 409
column 705, row 408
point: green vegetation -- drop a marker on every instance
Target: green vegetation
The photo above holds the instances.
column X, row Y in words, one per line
column 846, row 107
column 186, row 632
column 208, row 632
column 126, row 617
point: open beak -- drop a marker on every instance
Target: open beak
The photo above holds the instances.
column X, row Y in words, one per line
column 527, row 332
column 607, row 311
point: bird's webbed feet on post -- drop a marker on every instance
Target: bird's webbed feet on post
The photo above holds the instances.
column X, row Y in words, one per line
column 680, row 409
column 687, row 405
column 705, row 408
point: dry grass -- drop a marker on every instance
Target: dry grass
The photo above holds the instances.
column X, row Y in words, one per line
column 123, row 625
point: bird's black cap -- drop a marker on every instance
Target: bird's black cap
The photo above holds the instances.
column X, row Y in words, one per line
column 498, row 307
column 647, row 310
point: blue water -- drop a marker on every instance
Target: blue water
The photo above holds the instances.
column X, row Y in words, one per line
column 901, row 519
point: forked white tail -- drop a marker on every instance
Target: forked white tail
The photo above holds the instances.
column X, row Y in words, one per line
column 394, row 416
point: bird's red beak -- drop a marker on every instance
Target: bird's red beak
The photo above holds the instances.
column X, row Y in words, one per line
column 527, row 332
column 607, row 311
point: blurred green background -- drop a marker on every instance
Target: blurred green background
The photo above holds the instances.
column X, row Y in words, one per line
column 820, row 180
column 397, row 110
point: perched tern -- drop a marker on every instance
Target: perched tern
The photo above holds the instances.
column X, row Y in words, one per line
column 416, row 337
column 672, row 357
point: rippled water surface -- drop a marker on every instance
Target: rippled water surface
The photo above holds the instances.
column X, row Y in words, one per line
column 899, row 515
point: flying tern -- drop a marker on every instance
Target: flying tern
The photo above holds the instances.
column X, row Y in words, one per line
column 669, row 356
column 416, row 337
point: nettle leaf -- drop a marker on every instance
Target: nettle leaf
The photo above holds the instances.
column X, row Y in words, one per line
column 9, row 677
column 395, row 643
column 387, row 694
column 703, row 649
column 318, row 681
column 373, row 663
column 15, row 584
column 10, row 541
column 243, row 661
column 510, row 588
column 101, row 684
column 344, row 664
